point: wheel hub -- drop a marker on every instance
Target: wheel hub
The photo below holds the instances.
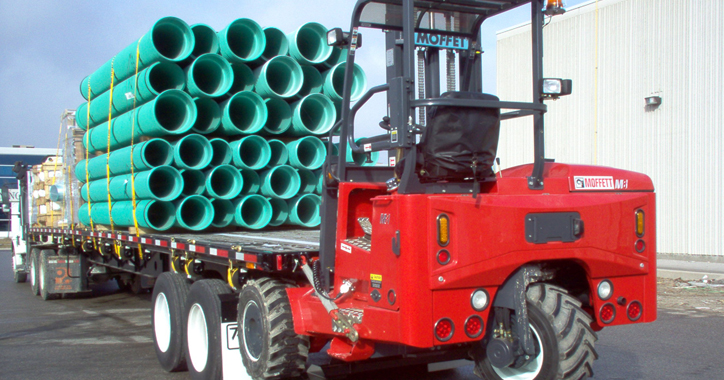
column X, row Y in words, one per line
column 253, row 330
column 162, row 322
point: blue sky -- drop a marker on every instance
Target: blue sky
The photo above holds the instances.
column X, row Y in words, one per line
column 47, row 47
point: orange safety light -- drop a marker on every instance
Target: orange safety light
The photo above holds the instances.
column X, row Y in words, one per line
column 554, row 8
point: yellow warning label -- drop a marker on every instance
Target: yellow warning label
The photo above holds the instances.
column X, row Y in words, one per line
column 375, row 277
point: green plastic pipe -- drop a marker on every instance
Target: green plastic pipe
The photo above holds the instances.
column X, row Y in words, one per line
column 252, row 182
column 157, row 215
column 308, row 44
column 338, row 55
column 173, row 112
column 250, row 152
column 194, row 182
column 194, row 212
column 223, row 182
column 279, row 153
column 307, row 153
column 243, row 114
column 221, row 152
column 169, row 40
column 313, row 115
column 163, row 183
column 312, row 82
column 242, row 41
column 320, row 181
column 280, row 211
column 206, row 41
column 146, row 155
column 358, row 158
column 100, row 213
column 280, row 182
column 83, row 216
column 279, row 77
column 192, row 152
column 276, row 44
column 252, row 211
column 223, row 212
column 308, row 181
column 304, row 210
column 157, row 78
column 210, row 75
column 279, row 119
column 334, row 82
column 208, row 116
column 243, row 79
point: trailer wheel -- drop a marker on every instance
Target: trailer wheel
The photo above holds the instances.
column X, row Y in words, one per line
column 34, row 285
column 561, row 329
column 167, row 320
column 203, row 328
column 270, row 349
column 45, row 279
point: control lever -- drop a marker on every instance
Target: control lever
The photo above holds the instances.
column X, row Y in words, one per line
column 385, row 123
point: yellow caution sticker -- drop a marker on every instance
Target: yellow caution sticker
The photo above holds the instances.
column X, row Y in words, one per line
column 376, row 281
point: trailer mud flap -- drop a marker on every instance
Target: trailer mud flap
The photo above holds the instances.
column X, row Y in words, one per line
column 233, row 368
column 66, row 274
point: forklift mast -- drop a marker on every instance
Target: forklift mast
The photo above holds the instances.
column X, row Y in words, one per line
column 423, row 27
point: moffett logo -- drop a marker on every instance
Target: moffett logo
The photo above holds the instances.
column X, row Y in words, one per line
column 599, row 183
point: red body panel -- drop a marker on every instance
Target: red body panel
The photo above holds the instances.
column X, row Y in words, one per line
column 487, row 245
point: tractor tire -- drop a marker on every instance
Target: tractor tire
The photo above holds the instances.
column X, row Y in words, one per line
column 167, row 320
column 45, row 278
column 563, row 332
column 203, row 329
column 19, row 277
column 33, row 269
column 270, row 349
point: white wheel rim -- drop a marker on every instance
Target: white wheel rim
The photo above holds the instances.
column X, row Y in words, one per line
column 162, row 322
column 528, row 371
column 243, row 336
column 197, row 337
column 41, row 277
column 32, row 272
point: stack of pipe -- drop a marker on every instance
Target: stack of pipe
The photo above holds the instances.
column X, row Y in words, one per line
column 211, row 129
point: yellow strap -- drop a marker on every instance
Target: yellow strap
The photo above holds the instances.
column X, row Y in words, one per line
column 87, row 154
column 133, row 129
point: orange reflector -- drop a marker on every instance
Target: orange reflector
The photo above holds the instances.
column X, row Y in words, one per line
column 443, row 230
column 640, row 223
column 250, row 266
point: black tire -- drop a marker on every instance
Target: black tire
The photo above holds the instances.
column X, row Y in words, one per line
column 167, row 320
column 203, row 329
column 33, row 270
column 563, row 331
column 19, row 277
column 45, row 277
column 270, row 349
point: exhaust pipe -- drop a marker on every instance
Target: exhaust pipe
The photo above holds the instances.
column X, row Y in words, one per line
column 242, row 114
column 307, row 153
column 171, row 113
column 252, row 182
column 221, row 152
column 279, row 153
column 192, row 152
column 146, row 155
column 304, row 210
column 206, row 42
column 334, row 82
column 194, row 182
column 152, row 214
column 157, row 78
column 280, row 211
column 280, row 117
column 313, row 115
column 281, row 182
column 194, row 213
column 223, row 212
column 242, row 41
column 252, row 211
column 223, row 182
column 169, row 40
column 251, row 152
column 210, row 75
column 276, row 44
column 308, row 44
column 208, row 116
column 280, row 77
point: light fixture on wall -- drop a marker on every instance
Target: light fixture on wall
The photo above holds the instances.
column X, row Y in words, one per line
column 653, row 101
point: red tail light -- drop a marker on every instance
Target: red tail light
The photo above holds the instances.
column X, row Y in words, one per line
column 634, row 310
column 444, row 329
column 473, row 326
column 608, row 313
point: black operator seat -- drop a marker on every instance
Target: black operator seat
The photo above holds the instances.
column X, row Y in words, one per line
column 459, row 143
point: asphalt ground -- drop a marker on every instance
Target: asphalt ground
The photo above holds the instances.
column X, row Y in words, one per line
column 107, row 335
